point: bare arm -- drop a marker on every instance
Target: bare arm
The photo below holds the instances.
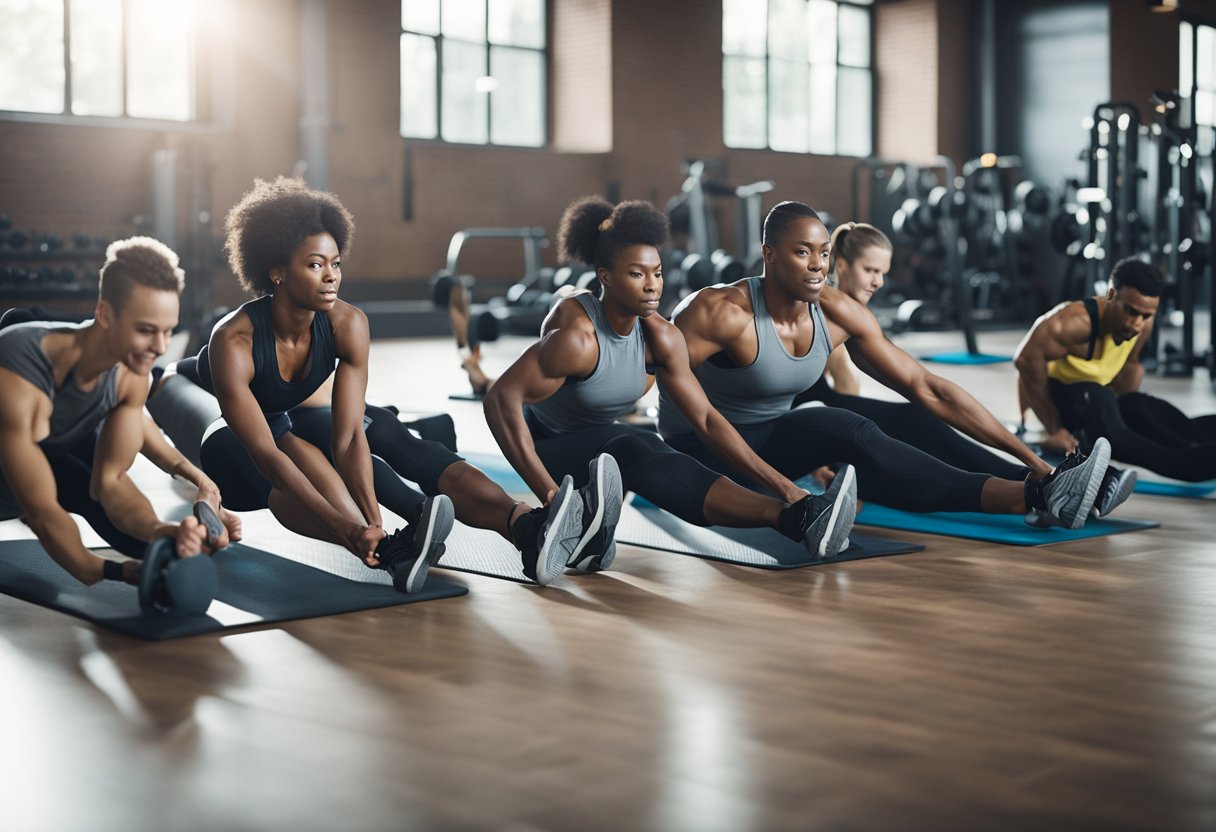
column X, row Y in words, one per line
column 352, row 455
column 842, row 373
column 170, row 460
column 1050, row 338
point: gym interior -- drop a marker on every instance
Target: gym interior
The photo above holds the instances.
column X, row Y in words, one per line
column 1012, row 152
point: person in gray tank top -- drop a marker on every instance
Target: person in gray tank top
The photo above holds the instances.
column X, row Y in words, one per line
column 757, row 343
column 59, row 382
column 555, row 410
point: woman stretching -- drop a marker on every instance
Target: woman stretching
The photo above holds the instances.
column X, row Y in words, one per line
column 556, row 407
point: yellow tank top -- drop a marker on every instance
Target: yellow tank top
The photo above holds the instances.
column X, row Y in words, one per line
column 1101, row 370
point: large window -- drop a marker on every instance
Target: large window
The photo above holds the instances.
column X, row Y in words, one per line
column 132, row 58
column 473, row 71
column 1197, row 77
column 796, row 75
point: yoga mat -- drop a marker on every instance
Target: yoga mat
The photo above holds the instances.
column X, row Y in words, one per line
column 482, row 552
column 993, row 528
column 499, row 470
column 653, row 528
column 1189, row 490
column 965, row 358
column 255, row 588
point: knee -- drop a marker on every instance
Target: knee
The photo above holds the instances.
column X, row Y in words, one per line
column 630, row 449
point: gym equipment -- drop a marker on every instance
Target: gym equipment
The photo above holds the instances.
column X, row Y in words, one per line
column 653, row 528
column 167, row 581
column 255, row 587
column 209, row 520
column 992, row 528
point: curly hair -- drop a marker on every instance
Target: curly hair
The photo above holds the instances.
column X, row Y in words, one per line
column 591, row 231
column 782, row 216
column 138, row 260
column 850, row 239
column 1134, row 272
column 272, row 221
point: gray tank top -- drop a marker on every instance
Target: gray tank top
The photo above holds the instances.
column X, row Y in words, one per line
column 764, row 389
column 616, row 383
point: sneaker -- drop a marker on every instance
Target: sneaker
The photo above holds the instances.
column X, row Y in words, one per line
column 548, row 536
column 408, row 553
column 823, row 521
column 1117, row 486
column 602, row 497
column 1067, row 494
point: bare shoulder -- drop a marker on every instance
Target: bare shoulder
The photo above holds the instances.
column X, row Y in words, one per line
column 720, row 313
column 848, row 313
column 1067, row 323
column 347, row 316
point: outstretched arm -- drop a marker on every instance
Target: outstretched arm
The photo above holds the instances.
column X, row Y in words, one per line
column 1050, row 338
column 352, row 456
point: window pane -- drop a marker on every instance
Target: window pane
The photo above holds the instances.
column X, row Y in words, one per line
column 159, row 55
column 854, row 36
column 854, row 130
column 743, row 105
column 420, row 16
column 518, row 22
column 787, row 29
column 1205, row 48
column 31, row 55
column 822, row 31
column 744, row 27
column 517, row 113
column 823, row 108
column 464, row 105
column 464, row 19
column 1186, row 59
column 97, row 57
column 419, row 113
column 1205, row 108
column 789, row 100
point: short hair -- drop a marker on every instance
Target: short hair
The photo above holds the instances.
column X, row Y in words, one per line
column 850, row 239
column 272, row 221
column 138, row 260
column 1135, row 273
column 593, row 232
column 782, row 216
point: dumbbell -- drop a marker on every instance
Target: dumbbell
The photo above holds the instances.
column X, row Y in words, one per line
column 441, row 283
column 168, row 582
column 726, row 268
column 913, row 218
column 699, row 271
column 1032, row 198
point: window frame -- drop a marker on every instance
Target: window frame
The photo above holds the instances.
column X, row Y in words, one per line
column 1195, row 87
column 439, row 39
column 768, row 57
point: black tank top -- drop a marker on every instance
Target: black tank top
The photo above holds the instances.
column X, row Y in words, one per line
column 274, row 394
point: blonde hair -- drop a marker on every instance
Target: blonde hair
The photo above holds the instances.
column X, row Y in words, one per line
column 138, row 260
column 849, row 240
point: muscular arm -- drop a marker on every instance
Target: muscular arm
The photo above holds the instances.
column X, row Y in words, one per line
column 352, row 456
column 1050, row 338
column 840, row 370
column 567, row 348
column 170, row 460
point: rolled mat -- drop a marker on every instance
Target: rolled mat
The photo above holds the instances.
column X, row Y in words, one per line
column 255, row 587
column 653, row 528
column 993, row 528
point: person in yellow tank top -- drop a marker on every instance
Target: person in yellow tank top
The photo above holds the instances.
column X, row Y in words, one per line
column 1079, row 370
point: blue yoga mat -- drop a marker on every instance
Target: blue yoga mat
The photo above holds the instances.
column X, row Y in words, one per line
column 1190, row 490
column 993, row 528
column 255, row 588
column 499, row 470
column 965, row 358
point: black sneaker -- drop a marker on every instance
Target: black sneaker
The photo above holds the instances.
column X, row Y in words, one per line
column 1065, row 496
column 408, row 553
column 1117, row 486
column 601, row 497
column 822, row 522
column 547, row 536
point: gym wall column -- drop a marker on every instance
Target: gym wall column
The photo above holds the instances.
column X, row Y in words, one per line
column 581, row 79
column 314, row 93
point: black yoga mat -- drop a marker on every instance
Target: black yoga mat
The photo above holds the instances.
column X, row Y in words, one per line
column 255, row 588
column 653, row 528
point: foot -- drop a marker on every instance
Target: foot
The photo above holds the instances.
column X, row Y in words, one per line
column 409, row 553
column 547, row 537
column 1067, row 494
column 602, row 497
column 823, row 521
column 1117, row 486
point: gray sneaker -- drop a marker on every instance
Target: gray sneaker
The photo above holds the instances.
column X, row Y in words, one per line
column 1117, row 486
column 547, row 537
column 1069, row 491
column 822, row 522
column 602, row 497
column 409, row 553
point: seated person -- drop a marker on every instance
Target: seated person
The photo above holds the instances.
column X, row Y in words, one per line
column 1079, row 370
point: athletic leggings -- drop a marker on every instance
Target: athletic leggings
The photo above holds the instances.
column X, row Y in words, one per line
column 72, row 473
column 889, row 472
column 1142, row 429
column 912, row 424
column 649, row 466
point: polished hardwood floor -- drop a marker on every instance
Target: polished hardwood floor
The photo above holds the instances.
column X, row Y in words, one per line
column 968, row 686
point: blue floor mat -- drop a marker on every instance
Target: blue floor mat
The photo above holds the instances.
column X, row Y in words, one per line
column 965, row 358
column 993, row 528
column 1190, row 490
column 255, row 587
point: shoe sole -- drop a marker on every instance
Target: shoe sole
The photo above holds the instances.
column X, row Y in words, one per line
column 606, row 495
column 434, row 532
column 1098, row 460
column 565, row 523
column 840, row 519
column 1127, row 484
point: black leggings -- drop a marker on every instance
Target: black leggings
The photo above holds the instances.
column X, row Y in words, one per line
column 649, row 467
column 912, row 424
column 1142, row 429
column 889, row 472
column 72, row 473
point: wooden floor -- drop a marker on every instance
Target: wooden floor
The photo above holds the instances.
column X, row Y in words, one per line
column 968, row 686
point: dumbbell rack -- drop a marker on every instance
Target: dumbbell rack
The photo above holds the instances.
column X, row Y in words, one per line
column 39, row 268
